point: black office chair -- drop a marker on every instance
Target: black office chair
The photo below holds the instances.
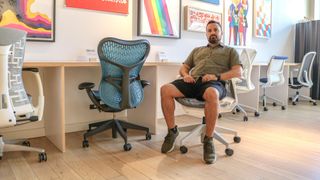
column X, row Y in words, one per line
column 303, row 78
column 120, row 87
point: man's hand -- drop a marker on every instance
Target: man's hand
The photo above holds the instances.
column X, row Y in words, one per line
column 209, row 77
column 188, row 79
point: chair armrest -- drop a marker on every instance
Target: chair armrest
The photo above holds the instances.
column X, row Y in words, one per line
column 144, row 83
column 86, row 85
column 30, row 69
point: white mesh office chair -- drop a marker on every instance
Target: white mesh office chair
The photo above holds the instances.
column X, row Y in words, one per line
column 15, row 105
column 274, row 78
column 244, row 84
column 303, row 78
column 195, row 107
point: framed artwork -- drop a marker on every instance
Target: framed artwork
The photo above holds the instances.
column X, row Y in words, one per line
column 37, row 18
column 119, row 6
column 262, row 18
column 217, row 2
column 238, row 22
column 197, row 19
column 159, row 18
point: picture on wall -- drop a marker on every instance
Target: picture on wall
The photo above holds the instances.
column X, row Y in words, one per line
column 217, row 2
column 36, row 17
column 159, row 18
column 118, row 6
column 262, row 18
column 197, row 19
column 238, row 22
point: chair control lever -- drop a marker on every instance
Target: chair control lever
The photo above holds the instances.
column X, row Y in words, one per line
column 92, row 106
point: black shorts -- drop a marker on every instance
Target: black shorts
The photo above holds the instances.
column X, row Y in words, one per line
column 196, row 90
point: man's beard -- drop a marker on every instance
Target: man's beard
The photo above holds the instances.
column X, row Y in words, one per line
column 213, row 39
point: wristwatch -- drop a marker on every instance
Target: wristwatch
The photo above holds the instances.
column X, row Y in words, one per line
column 218, row 77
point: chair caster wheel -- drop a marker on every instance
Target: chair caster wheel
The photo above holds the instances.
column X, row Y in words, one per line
column 85, row 143
column 237, row 110
column 233, row 112
column 265, row 109
column 229, row 152
column 183, row 149
column 127, row 147
column 245, row 118
column 256, row 114
column 148, row 136
column 26, row 143
column 314, row 103
column 274, row 104
column 294, row 103
column 283, row 107
column 290, row 98
column 42, row 157
column 219, row 116
column 237, row 139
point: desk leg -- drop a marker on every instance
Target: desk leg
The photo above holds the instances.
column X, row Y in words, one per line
column 146, row 113
column 251, row 98
column 54, row 109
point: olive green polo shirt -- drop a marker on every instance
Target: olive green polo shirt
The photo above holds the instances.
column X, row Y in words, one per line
column 212, row 60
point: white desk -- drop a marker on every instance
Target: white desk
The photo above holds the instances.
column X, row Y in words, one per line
column 67, row 108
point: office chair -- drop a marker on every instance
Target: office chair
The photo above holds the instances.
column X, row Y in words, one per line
column 15, row 105
column 244, row 84
column 120, row 87
column 195, row 107
column 274, row 78
column 303, row 79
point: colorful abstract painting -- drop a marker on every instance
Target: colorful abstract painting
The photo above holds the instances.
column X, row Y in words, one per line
column 117, row 6
column 238, row 22
column 197, row 19
column 262, row 18
column 159, row 18
column 36, row 17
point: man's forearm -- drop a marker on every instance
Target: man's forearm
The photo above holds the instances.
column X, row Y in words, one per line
column 233, row 73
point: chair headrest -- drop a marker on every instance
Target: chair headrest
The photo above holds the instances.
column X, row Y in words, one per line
column 10, row 35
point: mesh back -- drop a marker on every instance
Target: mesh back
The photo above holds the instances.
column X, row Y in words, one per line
column 117, row 56
column 275, row 70
column 246, row 57
column 17, row 91
column 304, row 75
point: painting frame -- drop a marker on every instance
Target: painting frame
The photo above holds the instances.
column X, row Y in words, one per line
column 262, row 19
column 165, row 23
column 196, row 19
column 38, row 20
column 216, row 2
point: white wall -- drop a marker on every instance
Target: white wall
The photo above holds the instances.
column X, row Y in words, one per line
column 79, row 29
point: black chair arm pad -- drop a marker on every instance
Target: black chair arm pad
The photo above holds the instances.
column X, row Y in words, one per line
column 30, row 69
column 86, row 85
column 145, row 83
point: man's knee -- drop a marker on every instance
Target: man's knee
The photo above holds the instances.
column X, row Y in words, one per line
column 166, row 90
column 211, row 95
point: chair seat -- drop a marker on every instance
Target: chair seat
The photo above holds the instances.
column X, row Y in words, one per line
column 296, row 84
column 264, row 80
column 97, row 94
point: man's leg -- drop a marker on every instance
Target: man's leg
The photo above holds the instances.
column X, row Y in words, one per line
column 211, row 97
column 168, row 93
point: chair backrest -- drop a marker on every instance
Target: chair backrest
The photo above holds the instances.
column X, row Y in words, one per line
column 121, row 62
column 275, row 70
column 304, row 74
column 247, row 56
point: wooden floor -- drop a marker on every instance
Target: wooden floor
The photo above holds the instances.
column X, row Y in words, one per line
column 277, row 145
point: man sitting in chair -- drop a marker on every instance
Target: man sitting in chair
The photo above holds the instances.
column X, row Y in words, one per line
column 211, row 65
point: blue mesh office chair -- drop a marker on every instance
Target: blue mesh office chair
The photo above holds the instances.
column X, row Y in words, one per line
column 274, row 78
column 120, row 86
column 303, row 78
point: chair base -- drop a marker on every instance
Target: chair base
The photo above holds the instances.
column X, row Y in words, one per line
column 117, row 126
column 296, row 97
column 4, row 147
column 264, row 102
column 199, row 130
column 242, row 107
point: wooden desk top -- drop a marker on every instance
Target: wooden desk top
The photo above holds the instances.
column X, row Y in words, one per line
column 86, row 63
column 286, row 64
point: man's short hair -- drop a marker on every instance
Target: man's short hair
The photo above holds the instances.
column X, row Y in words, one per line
column 214, row 22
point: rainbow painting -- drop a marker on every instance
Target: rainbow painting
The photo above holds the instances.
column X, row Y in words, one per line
column 159, row 18
column 38, row 23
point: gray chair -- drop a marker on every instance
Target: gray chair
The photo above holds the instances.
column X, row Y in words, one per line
column 120, row 87
column 303, row 79
column 195, row 107
column 16, row 106
column 274, row 78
